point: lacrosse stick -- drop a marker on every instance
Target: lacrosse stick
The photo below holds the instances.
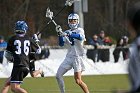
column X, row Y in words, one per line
column 49, row 14
column 67, row 3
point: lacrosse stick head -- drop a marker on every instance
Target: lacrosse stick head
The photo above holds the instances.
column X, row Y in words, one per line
column 70, row 2
column 49, row 13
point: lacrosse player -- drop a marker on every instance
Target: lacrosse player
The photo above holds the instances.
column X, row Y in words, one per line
column 133, row 23
column 134, row 64
column 33, row 73
column 18, row 51
column 73, row 39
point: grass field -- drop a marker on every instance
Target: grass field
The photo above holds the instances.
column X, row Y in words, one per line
column 96, row 84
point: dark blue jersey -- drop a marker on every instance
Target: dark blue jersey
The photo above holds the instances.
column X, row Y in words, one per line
column 20, row 47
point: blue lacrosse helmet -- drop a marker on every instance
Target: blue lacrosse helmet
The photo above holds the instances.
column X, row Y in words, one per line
column 21, row 27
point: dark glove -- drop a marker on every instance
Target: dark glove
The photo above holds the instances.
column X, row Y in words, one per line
column 9, row 56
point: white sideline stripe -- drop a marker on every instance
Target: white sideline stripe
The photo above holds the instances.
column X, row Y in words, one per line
column 79, row 90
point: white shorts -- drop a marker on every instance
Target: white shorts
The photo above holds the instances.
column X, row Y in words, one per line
column 77, row 63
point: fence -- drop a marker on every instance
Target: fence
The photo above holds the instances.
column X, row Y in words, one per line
column 51, row 64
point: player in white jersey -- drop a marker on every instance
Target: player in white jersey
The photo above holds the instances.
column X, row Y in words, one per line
column 73, row 39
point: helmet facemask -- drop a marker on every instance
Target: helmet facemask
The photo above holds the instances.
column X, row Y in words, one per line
column 73, row 21
column 20, row 32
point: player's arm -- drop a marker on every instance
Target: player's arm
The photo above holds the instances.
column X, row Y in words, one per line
column 63, row 37
column 9, row 56
column 60, row 34
column 80, row 35
column 7, row 53
column 76, row 36
column 61, row 40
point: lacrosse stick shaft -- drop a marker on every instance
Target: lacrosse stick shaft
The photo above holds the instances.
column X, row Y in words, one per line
column 59, row 12
column 54, row 22
column 51, row 20
column 67, row 3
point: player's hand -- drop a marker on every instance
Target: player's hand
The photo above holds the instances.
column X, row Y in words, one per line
column 35, row 37
column 58, row 28
column 9, row 56
column 38, row 50
column 68, row 33
column 61, row 34
column 59, row 31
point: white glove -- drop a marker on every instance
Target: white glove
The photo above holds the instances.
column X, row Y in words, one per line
column 68, row 33
column 58, row 28
column 59, row 31
column 35, row 37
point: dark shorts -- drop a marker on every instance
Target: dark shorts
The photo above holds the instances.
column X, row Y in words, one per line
column 18, row 74
column 32, row 66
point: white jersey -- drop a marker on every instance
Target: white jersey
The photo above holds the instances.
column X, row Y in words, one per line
column 134, row 64
column 77, row 48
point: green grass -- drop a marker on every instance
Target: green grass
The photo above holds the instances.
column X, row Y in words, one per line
column 96, row 84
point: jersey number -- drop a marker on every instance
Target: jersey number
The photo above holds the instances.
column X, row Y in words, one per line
column 25, row 48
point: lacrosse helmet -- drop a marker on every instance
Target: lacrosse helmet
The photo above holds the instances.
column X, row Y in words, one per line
column 21, row 27
column 73, row 16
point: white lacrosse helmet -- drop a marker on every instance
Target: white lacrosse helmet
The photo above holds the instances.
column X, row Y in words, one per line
column 73, row 16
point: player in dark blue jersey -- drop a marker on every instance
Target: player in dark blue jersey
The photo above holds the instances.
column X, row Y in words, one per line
column 33, row 73
column 18, row 51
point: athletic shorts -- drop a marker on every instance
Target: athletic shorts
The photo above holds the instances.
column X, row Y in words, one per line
column 18, row 74
column 77, row 63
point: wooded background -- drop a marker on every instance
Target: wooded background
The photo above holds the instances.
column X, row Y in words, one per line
column 107, row 15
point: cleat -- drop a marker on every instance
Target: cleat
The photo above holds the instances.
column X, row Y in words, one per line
column 42, row 74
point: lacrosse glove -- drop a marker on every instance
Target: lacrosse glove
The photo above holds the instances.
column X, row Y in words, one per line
column 35, row 38
column 59, row 31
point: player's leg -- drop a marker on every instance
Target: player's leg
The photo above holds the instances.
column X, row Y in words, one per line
column 59, row 77
column 36, row 73
column 17, row 76
column 33, row 72
column 78, row 79
column 63, row 68
column 6, row 86
column 15, row 87
column 79, row 66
